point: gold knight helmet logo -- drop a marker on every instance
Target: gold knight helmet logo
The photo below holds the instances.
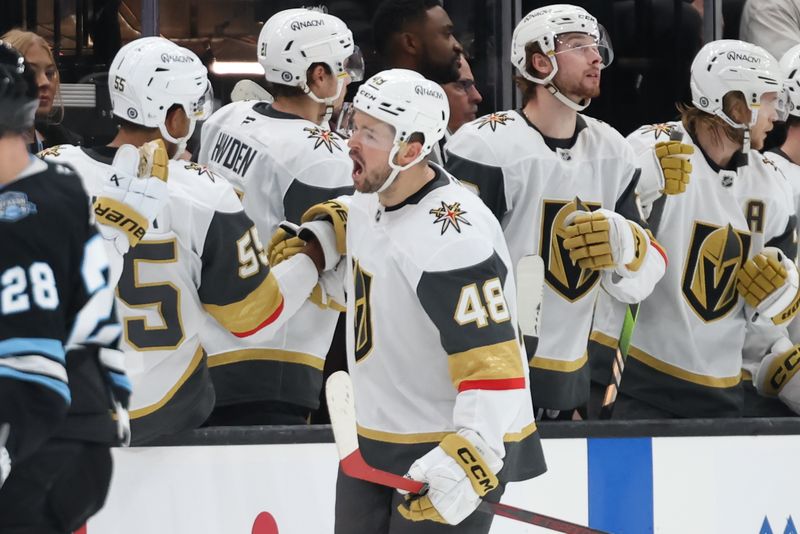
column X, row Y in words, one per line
column 716, row 254
column 566, row 279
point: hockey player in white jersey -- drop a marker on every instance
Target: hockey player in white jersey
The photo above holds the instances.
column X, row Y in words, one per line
column 432, row 342
column 562, row 185
column 201, row 257
column 283, row 159
column 734, row 222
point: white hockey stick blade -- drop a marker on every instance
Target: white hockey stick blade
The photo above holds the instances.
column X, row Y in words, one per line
column 342, row 409
column 249, row 90
column 530, row 285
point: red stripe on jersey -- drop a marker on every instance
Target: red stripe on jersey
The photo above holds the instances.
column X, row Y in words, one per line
column 267, row 321
column 660, row 250
column 493, row 385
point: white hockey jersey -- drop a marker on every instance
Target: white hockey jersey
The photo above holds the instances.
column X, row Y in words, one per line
column 282, row 165
column 792, row 173
column 202, row 256
column 431, row 330
column 686, row 352
column 532, row 184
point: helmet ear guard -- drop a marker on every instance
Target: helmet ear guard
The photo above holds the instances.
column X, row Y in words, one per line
column 409, row 103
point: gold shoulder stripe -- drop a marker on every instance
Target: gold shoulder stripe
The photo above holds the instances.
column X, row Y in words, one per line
column 252, row 311
column 683, row 374
column 275, row 355
column 492, row 362
column 549, row 364
column 195, row 362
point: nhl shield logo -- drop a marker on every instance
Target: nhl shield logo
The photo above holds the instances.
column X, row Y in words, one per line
column 566, row 279
column 15, row 206
column 716, row 254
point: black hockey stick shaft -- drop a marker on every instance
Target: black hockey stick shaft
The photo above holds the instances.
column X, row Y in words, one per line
column 631, row 314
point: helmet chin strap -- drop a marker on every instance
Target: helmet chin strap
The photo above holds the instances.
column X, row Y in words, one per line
column 181, row 141
column 328, row 101
column 577, row 106
column 396, row 169
column 742, row 126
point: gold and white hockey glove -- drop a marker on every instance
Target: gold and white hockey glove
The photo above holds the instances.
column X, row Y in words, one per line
column 768, row 282
column 329, row 291
column 284, row 244
column 327, row 222
column 778, row 375
column 459, row 472
column 676, row 169
column 133, row 195
column 605, row 240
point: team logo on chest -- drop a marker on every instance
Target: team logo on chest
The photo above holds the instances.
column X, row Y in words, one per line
column 450, row 215
column 716, row 253
column 493, row 120
column 325, row 138
column 657, row 130
column 362, row 318
column 566, row 279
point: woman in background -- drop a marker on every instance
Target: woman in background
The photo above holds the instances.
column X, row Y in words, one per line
column 48, row 130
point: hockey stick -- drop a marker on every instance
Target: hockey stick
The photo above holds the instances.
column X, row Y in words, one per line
column 530, row 285
column 341, row 407
column 631, row 314
column 249, row 90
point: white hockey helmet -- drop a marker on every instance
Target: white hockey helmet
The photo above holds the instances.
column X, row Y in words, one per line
column 790, row 64
column 729, row 65
column 150, row 75
column 408, row 102
column 294, row 39
column 543, row 26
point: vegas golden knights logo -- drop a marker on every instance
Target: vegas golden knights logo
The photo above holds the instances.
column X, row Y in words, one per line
column 363, row 311
column 566, row 279
column 716, row 254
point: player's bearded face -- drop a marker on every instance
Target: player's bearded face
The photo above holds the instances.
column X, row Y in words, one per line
column 579, row 66
column 370, row 144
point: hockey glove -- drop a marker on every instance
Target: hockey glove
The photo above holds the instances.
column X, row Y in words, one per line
column 327, row 222
column 676, row 169
column 284, row 243
column 5, row 458
column 113, row 364
column 134, row 194
column 459, row 471
column 605, row 240
column 778, row 374
column 768, row 282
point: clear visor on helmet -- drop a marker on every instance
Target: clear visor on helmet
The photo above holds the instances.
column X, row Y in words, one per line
column 344, row 122
column 202, row 108
column 587, row 44
column 353, row 65
column 369, row 132
column 773, row 104
column 783, row 105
